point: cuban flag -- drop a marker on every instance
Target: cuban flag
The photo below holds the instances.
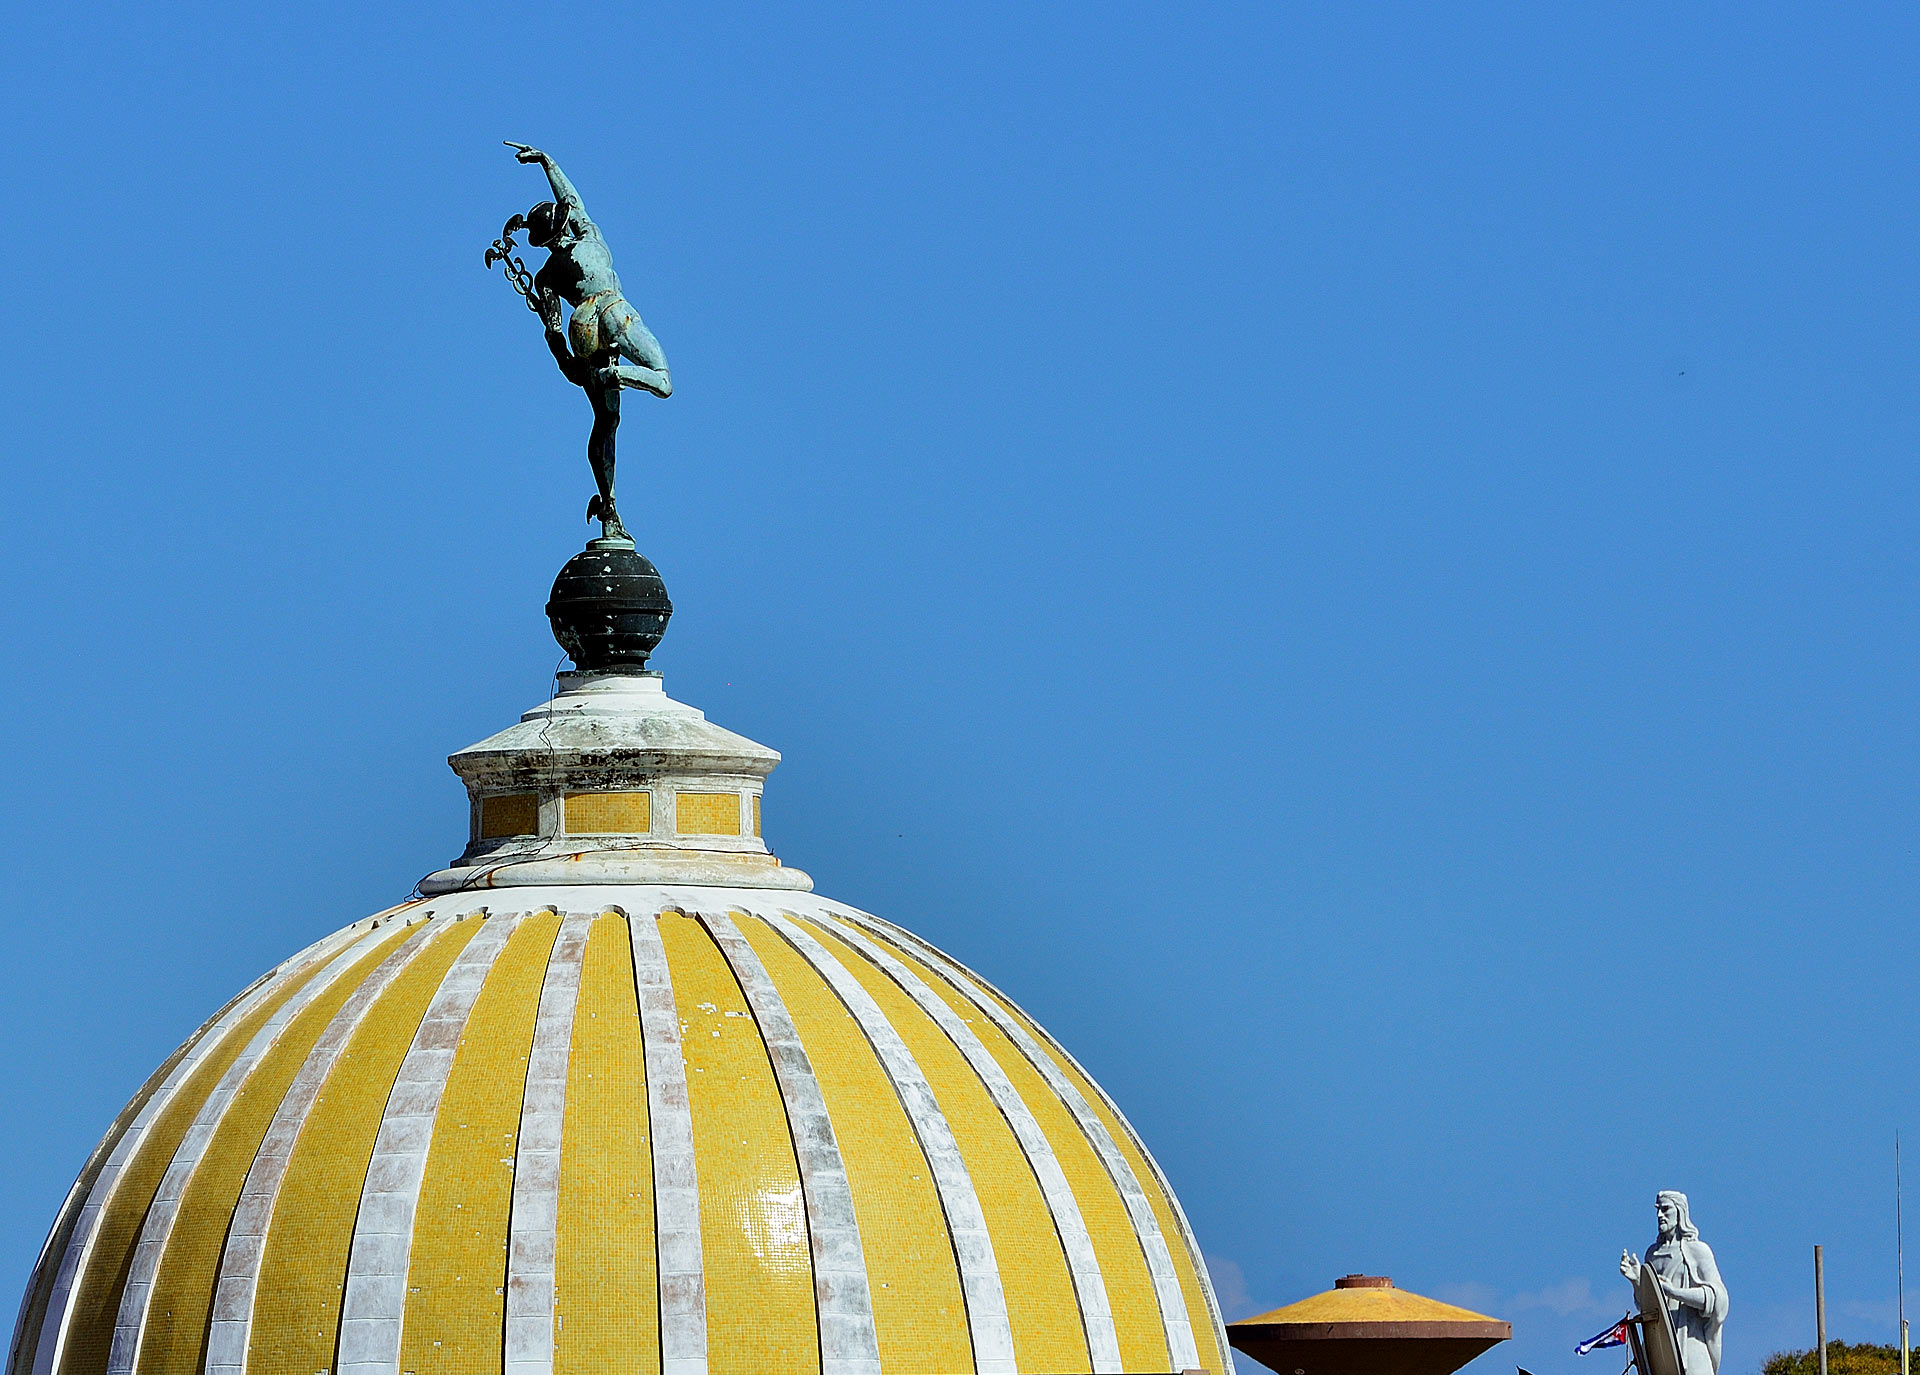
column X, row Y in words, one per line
column 1613, row 1336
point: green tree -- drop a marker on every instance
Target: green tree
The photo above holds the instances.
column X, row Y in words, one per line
column 1843, row 1358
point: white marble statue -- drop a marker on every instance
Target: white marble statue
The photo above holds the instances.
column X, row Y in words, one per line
column 1696, row 1297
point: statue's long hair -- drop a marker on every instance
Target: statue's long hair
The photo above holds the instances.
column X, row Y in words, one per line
column 1683, row 1228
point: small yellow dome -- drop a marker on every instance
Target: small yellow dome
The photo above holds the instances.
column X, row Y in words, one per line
column 1365, row 1326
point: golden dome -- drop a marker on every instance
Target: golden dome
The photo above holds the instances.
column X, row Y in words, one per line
column 682, row 1115
column 1365, row 1326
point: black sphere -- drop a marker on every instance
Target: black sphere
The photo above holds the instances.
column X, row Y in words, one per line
column 609, row 609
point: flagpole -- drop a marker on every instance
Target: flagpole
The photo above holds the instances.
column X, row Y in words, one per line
column 1900, row 1263
column 1820, row 1306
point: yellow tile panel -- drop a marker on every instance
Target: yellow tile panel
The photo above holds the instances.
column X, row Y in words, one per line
column 177, row 1318
column 1047, row 1334
column 919, row 1314
column 756, row 813
column 515, row 815
column 457, row 1274
column 753, row 1219
column 96, row 1299
column 606, row 1313
column 706, row 814
column 303, row 1271
column 1184, row 1266
column 609, row 814
column 1123, row 1265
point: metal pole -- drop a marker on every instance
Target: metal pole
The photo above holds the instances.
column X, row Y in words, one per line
column 1820, row 1306
column 1900, row 1261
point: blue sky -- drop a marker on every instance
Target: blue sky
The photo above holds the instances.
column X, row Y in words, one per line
column 1358, row 559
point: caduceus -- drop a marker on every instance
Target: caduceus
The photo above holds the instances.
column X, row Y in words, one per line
column 603, row 347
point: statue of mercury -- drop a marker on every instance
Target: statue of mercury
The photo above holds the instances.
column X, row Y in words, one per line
column 602, row 346
column 1696, row 1297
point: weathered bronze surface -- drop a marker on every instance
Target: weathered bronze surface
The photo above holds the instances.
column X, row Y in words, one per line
column 597, row 338
column 609, row 608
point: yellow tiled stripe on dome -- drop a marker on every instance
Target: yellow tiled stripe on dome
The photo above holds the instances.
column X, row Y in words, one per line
column 606, row 1313
column 1198, row 1310
column 753, row 1219
column 33, row 1313
column 1123, row 1265
column 919, row 1315
column 97, row 1297
column 297, row 1312
column 457, row 1271
column 174, row 1340
column 1047, row 1334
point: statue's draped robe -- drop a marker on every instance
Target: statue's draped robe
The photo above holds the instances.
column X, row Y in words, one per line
column 1688, row 1264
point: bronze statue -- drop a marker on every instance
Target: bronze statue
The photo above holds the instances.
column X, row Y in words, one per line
column 603, row 329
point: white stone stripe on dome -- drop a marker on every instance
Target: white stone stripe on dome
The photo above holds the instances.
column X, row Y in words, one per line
column 849, row 1343
column 986, row 1300
column 533, row 1229
column 54, row 1247
column 1096, row 1310
column 1180, row 1216
column 157, row 1230
column 1182, row 1350
column 375, row 1302
column 676, row 1181
column 53, row 1331
column 1139, row 1144
column 246, row 1244
column 68, row 1206
column 1173, row 1202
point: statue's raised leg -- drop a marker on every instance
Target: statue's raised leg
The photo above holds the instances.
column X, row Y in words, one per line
column 632, row 375
column 646, row 365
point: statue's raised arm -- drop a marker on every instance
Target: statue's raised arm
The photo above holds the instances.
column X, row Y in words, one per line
column 563, row 189
column 604, row 346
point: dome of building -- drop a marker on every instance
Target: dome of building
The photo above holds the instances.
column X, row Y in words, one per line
column 1366, row 1326
column 618, row 1092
